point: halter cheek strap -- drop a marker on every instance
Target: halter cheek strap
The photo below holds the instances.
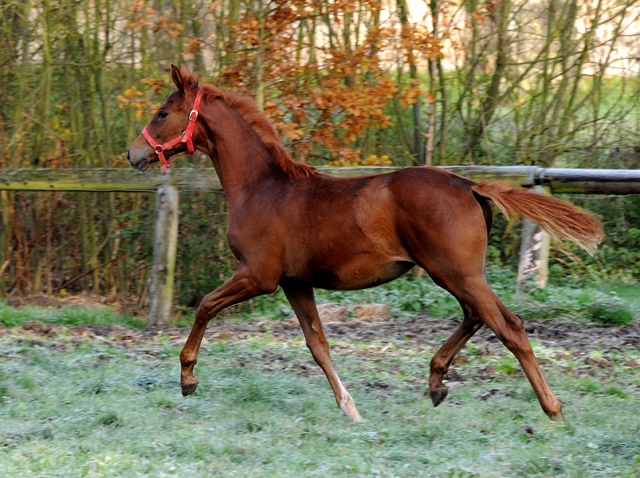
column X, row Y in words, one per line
column 185, row 137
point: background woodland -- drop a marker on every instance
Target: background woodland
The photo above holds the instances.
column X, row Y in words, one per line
column 346, row 83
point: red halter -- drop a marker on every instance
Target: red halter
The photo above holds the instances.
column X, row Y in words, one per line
column 185, row 137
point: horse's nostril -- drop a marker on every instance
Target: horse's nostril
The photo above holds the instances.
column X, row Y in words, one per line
column 128, row 156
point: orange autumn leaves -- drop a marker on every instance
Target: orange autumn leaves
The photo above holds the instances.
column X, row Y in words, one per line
column 326, row 83
column 323, row 94
column 137, row 102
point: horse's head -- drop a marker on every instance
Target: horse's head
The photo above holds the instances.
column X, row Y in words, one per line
column 169, row 123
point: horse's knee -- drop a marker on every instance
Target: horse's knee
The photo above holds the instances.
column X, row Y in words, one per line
column 315, row 342
column 201, row 315
column 508, row 328
column 515, row 323
column 516, row 333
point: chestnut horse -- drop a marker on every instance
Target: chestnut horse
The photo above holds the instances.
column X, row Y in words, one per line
column 292, row 227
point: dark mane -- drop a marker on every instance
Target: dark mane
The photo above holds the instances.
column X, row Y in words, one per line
column 263, row 128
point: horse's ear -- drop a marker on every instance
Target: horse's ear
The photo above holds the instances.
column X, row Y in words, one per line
column 191, row 80
column 176, row 76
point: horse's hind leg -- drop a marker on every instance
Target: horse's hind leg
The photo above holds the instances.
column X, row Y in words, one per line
column 304, row 305
column 475, row 293
column 452, row 248
column 510, row 331
column 444, row 356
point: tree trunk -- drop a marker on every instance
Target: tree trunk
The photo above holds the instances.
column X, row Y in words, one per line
column 42, row 125
column 260, row 58
column 435, row 17
column 490, row 103
column 416, row 149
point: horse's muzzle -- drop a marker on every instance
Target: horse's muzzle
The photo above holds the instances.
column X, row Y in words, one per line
column 137, row 162
column 142, row 165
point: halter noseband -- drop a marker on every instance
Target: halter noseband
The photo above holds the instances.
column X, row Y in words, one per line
column 183, row 138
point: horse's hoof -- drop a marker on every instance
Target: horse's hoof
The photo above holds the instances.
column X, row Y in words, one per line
column 557, row 417
column 438, row 395
column 358, row 421
column 189, row 388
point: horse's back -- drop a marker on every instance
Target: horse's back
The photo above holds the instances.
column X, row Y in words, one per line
column 380, row 209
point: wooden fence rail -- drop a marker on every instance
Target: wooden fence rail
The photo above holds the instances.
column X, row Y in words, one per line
column 549, row 180
column 558, row 180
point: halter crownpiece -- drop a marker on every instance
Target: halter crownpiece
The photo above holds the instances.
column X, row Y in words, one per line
column 185, row 137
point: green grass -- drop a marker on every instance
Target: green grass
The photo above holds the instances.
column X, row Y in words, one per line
column 89, row 408
column 613, row 304
column 72, row 407
column 629, row 293
column 580, row 303
column 67, row 316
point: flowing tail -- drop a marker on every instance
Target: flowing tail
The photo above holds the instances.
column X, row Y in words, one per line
column 558, row 218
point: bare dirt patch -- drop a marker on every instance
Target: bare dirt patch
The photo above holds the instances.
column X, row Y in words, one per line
column 419, row 330
column 417, row 333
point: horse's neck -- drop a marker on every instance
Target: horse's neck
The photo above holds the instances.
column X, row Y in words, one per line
column 240, row 159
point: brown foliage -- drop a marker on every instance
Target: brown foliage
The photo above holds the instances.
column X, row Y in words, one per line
column 323, row 97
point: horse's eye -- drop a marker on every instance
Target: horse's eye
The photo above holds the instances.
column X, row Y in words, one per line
column 162, row 114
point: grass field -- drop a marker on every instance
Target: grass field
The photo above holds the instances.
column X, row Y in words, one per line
column 105, row 401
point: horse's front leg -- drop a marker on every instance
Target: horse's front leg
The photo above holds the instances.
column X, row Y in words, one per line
column 304, row 305
column 242, row 286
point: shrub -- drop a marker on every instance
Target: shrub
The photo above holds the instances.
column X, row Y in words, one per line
column 609, row 313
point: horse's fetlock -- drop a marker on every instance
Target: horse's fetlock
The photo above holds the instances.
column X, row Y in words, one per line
column 438, row 368
column 186, row 361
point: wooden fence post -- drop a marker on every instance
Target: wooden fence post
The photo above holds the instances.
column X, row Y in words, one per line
column 165, row 245
column 543, row 268
column 5, row 223
column 534, row 252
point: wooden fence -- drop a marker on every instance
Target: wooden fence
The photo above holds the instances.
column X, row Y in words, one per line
column 558, row 180
column 533, row 251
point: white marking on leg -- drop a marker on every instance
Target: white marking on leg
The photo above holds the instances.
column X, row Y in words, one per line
column 348, row 406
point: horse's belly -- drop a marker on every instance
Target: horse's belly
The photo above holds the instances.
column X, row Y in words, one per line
column 360, row 275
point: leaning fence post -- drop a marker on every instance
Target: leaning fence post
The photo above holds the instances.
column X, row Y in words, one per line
column 543, row 268
column 534, row 252
column 5, row 237
column 165, row 245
